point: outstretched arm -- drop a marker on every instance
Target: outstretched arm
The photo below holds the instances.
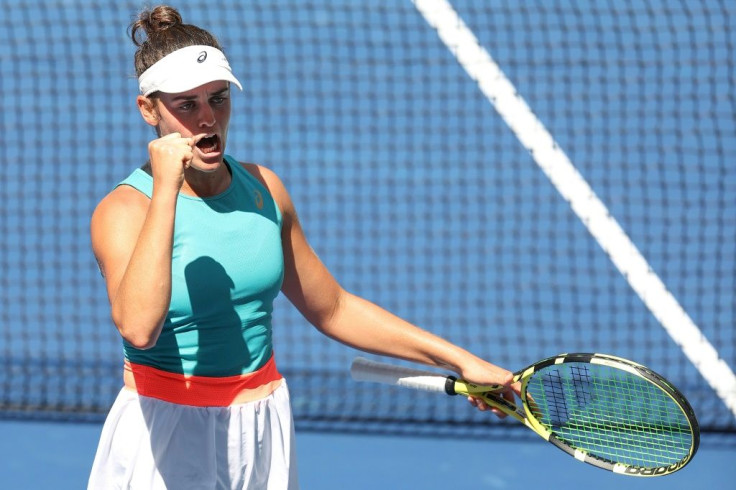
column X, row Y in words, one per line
column 355, row 321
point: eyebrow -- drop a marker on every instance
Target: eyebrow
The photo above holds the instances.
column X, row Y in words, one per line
column 192, row 97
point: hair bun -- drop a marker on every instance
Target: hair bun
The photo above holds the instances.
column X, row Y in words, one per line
column 162, row 17
column 155, row 20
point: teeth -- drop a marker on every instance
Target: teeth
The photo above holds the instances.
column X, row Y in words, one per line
column 209, row 144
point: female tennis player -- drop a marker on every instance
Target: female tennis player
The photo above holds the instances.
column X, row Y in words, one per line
column 194, row 246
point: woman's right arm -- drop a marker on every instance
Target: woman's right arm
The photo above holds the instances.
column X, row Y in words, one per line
column 132, row 239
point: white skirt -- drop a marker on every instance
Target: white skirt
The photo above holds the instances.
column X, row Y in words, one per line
column 150, row 444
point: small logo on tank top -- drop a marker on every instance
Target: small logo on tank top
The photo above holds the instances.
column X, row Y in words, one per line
column 258, row 199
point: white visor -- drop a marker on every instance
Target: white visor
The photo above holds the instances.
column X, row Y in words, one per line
column 185, row 69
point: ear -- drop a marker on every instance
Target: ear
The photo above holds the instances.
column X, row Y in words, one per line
column 148, row 110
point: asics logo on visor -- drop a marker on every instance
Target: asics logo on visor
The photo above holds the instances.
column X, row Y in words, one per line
column 202, row 56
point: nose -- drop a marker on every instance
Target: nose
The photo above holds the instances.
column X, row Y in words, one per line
column 206, row 116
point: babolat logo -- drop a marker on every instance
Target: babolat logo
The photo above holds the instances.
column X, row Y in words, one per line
column 662, row 470
column 202, row 56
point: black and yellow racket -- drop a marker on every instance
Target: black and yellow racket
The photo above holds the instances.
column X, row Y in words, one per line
column 603, row 410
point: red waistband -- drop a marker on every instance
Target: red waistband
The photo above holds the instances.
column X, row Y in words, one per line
column 202, row 391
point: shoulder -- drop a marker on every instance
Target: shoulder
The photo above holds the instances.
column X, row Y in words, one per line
column 122, row 201
column 273, row 183
column 124, row 208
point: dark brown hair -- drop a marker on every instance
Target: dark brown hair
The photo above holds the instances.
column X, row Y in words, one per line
column 160, row 31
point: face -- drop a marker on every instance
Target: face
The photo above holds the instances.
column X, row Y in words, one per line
column 202, row 111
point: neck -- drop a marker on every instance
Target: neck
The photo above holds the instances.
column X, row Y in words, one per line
column 206, row 184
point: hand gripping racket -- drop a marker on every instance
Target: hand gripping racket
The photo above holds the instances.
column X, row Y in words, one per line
column 603, row 410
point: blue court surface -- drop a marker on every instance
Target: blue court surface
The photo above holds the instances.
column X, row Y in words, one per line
column 38, row 455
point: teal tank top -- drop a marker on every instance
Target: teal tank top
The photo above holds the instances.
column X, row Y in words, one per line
column 227, row 269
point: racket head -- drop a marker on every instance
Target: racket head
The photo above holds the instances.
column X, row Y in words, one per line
column 611, row 413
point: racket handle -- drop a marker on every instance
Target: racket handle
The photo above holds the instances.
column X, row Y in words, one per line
column 366, row 370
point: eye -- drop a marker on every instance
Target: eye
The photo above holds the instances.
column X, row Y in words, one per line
column 218, row 100
column 186, row 106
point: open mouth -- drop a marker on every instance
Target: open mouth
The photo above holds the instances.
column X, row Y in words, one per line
column 209, row 144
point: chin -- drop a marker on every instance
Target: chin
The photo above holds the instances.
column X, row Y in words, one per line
column 206, row 167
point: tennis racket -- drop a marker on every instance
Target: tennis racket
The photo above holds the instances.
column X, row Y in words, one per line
column 603, row 410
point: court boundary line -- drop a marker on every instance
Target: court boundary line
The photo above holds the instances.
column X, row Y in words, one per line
column 559, row 169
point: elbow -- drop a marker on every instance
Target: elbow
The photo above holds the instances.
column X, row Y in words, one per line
column 140, row 342
column 327, row 320
column 136, row 334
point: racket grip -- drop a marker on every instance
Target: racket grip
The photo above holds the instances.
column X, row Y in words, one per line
column 366, row 370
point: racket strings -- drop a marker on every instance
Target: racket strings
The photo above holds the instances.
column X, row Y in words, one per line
column 610, row 414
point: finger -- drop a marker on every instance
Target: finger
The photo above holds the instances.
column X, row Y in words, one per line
column 171, row 136
column 187, row 157
column 498, row 413
column 478, row 403
column 481, row 405
column 195, row 139
column 509, row 397
column 516, row 387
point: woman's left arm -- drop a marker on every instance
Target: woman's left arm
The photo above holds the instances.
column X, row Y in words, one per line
column 356, row 322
